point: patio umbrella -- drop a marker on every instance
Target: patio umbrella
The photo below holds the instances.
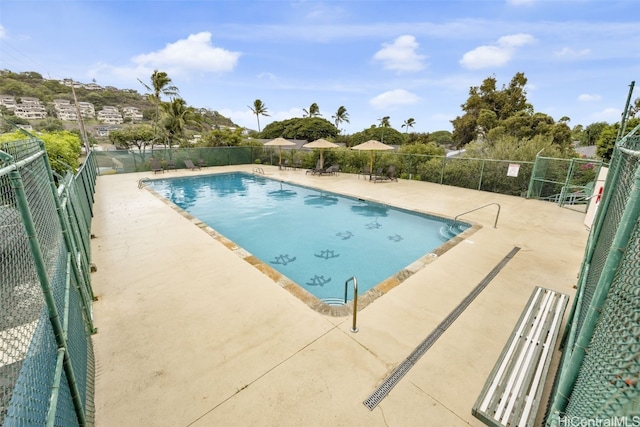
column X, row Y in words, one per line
column 321, row 144
column 280, row 142
column 372, row 145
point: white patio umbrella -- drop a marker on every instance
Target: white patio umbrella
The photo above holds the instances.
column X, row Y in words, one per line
column 321, row 144
column 372, row 145
column 280, row 142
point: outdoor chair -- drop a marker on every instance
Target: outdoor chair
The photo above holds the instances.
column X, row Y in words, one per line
column 389, row 175
column 365, row 172
column 317, row 170
column 331, row 170
column 189, row 164
column 155, row 165
column 202, row 163
column 171, row 164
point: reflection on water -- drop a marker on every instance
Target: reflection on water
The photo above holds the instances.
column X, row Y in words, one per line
column 320, row 200
column 282, row 193
column 369, row 210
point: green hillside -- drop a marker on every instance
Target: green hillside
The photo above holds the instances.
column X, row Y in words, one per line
column 33, row 84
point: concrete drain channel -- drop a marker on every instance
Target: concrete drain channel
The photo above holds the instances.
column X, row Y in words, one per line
column 387, row 385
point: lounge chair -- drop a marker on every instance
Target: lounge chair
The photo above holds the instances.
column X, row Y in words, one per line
column 389, row 175
column 171, row 164
column 189, row 164
column 365, row 172
column 202, row 163
column 317, row 170
column 331, row 170
column 155, row 165
column 297, row 163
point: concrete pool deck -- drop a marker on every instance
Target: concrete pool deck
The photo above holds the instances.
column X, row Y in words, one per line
column 190, row 334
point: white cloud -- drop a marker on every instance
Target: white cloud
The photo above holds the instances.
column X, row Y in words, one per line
column 3, row 32
column 586, row 97
column 393, row 97
column 267, row 76
column 196, row 52
column 495, row 55
column 401, row 55
column 566, row 52
column 609, row 115
column 515, row 40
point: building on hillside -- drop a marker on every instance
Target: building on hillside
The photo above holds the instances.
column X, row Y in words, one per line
column 104, row 130
column 92, row 86
column 87, row 110
column 110, row 115
column 133, row 113
column 30, row 109
column 9, row 101
column 64, row 110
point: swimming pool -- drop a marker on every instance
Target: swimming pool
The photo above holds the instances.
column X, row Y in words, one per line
column 315, row 238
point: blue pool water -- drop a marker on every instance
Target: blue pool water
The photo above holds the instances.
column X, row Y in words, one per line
column 315, row 238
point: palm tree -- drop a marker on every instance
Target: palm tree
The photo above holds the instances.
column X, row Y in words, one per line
column 408, row 124
column 160, row 85
column 259, row 109
column 384, row 123
column 177, row 117
column 314, row 111
column 340, row 116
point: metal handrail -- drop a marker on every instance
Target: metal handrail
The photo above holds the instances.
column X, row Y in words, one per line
column 354, row 329
column 495, row 224
column 143, row 182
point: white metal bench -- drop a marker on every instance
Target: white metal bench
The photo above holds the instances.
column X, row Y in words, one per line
column 511, row 394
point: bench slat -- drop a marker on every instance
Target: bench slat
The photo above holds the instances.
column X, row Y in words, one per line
column 511, row 394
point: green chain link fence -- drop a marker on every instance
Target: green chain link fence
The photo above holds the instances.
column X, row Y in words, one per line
column 597, row 382
column 46, row 355
column 567, row 182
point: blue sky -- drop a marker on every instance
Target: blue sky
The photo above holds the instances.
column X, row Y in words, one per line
column 402, row 59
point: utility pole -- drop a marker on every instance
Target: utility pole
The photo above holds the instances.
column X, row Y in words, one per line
column 83, row 132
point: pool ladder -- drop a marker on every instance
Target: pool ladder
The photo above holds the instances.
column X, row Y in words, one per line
column 143, row 182
column 353, row 279
column 258, row 171
column 495, row 224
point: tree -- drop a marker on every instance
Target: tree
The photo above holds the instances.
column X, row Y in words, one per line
column 160, row 85
column 592, row 132
column 379, row 133
column 408, row 124
column 340, row 116
column 222, row 137
column 63, row 148
column 384, row 123
column 259, row 109
column 309, row 128
column 177, row 117
column 507, row 102
column 607, row 138
column 139, row 136
column 314, row 111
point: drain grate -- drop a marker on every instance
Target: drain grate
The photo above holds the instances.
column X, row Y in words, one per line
column 397, row 374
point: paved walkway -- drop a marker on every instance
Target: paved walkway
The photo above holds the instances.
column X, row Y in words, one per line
column 190, row 334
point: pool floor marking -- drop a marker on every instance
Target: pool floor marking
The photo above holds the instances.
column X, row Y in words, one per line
column 383, row 389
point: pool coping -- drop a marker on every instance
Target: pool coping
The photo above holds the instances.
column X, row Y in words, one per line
column 298, row 291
